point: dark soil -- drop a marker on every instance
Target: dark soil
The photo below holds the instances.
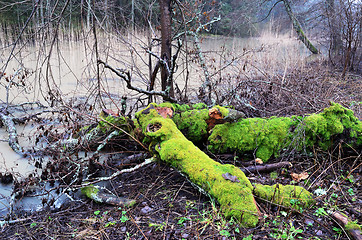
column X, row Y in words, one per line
column 168, row 207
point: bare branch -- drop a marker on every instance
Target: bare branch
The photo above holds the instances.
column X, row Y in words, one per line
column 126, row 76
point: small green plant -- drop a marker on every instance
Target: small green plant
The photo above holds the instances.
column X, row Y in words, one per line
column 350, row 192
column 250, row 237
column 273, row 175
column 351, row 178
column 33, row 224
column 111, row 223
column 320, row 212
column 157, row 226
column 353, row 103
column 334, row 195
column 190, row 204
column 74, row 234
column 296, row 204
column 337, row 230
column 182, row 220
column 97, row 212
column 225, row 233
column 124, row 217
column 287, row 233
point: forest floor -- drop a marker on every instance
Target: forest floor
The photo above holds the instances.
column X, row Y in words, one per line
column 169, row 207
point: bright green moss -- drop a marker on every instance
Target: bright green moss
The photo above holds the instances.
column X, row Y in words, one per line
column 199, row 106
column 268, row 137
column 182, row 107
column 352, row 226
column 236, row 198
column 334, row 120
column 288, row 196
column 110, row 123
column 173, row 106
column 146, row 114
column 90, row 191
column 224, row 111
column 192, row 124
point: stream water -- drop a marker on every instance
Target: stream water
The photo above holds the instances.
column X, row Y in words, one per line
column 72, row 74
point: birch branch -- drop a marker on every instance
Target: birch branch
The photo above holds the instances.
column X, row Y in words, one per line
column 8, row 122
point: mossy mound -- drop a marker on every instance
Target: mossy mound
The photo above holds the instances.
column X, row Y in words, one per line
column 269, row 136
column 288, row 196
column 91, row 192
column 321, row 128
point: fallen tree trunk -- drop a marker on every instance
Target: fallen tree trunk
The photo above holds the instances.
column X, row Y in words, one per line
column 224, row 182
column 227, row 131
column 271, row 136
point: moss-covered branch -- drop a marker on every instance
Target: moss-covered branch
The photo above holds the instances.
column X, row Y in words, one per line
column 298, row 29
column 235, row 197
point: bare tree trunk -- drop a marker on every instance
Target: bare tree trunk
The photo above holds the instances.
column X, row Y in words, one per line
column 166, row 29
column 132, row 16
column 335, row 41
column 88, row 13
column 298, row 28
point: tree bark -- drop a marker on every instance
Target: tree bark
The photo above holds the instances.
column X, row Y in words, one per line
column 335, row 41
column 298, row 29
column 166, row 30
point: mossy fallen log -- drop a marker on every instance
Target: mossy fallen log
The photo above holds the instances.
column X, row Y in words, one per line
column 226, row 131
column 235, row 197
column 224, row 182
column 270, row 136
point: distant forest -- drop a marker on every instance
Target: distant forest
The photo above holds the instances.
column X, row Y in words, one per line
column 334, row 24
column 238, row 17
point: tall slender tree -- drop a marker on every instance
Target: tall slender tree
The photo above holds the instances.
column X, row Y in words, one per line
column 166, row 35
column 298, row 28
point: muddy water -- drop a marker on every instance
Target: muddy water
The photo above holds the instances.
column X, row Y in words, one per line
column 70, row 71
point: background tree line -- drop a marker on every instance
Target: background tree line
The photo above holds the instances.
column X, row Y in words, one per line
column 334, row 24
